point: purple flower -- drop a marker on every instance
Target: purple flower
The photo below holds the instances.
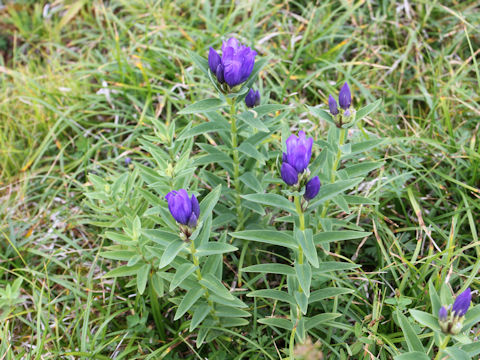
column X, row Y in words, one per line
column 183, row 209
column 312, row 188
column 213, row 60
column 299, row 151
column 219, row 74
column 252, row 99
column 289, row 174
column 128, row 161
column 462, row 303
column 332, row 104
column 345, row 97
column 442, row 314
column 237, row 62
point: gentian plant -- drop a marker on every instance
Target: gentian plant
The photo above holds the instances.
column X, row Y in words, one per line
column 256, row 191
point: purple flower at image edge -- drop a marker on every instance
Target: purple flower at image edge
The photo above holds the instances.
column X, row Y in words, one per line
column 184, row 210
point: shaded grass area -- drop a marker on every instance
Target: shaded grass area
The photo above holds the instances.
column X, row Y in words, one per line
column 79, row 82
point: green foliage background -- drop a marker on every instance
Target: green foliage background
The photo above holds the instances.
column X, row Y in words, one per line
column 80, row 81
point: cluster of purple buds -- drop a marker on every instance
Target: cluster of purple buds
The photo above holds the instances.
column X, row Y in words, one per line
column 294, row 170
column 184, row 210
column 451, row 322
column 252, row 99
column 345, row 101
column 235, row 65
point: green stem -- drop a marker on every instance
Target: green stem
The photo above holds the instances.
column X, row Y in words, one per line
column 443, row 346
column 292, row 342
column 301, row 218
column 199, row 277
column 334, row 168
column 236, row 164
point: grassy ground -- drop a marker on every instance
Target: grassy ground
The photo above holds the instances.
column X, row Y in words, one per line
column 78, row 79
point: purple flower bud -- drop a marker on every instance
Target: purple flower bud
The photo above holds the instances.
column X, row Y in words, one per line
column 299, row 151
column 183, row 209
column 128, row 161
column 252, row 99
column 213, row 60
column 462, row 303
column 219, row 74
column 442, row 314
column 312, row 188
column 345, row 97
column 289, row 174
column 332, row 104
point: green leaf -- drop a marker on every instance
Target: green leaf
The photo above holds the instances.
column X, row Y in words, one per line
column 199, row 61
column 273, row 294
column 229, row 311
column 414, row 355
column 358, row 200
column 171, row 252
column 199, row 314
column 123, row 255
column 254, row 122
column 362, row 168
column 212, row 248
column 202, row 129
column 330, row 236
column 425, row 319
column 365, row 145
column 280, row 238
column 259, row 64
column 329, row 191
column 319, row 319
column 233, row 322
column 203, row 106
column 457, row 354
column 277, row 322
column 189, row 299
column 411, row 337
column 304, row 276
column 215, row 285
column 157, row 283
column 274, row 200
column 183, row 272
column 124, row 271
column 329, row 266
column 322, row 114
column 250, row 180
column 250, row 150
column 209, row 202
column 302, row 301
column 280, row 269
column 305, row 239
column 160, row 237
column 142, row 277
column 360, row 114
column 472, row 349
column 326, row 293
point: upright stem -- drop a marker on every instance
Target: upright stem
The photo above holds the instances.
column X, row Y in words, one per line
column 236, row 163
column 333, row 174
column 199, row 277
column 301, row 217
column 442, row 347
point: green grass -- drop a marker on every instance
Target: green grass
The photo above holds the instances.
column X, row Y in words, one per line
column 57, row 125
